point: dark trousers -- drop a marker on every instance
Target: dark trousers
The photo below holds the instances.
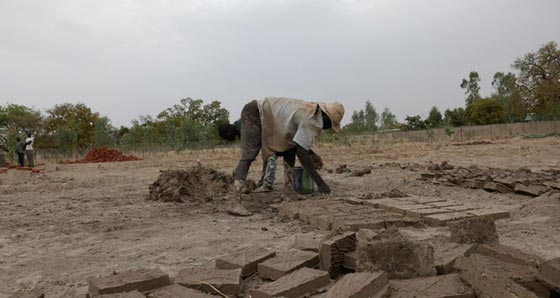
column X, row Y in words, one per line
column 21, row 159
column 30, row 157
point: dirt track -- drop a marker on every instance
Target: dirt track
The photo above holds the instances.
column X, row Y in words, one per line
column 83, row 220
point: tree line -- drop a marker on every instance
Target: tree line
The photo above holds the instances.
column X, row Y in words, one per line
column 531, row 92
column 68, row 127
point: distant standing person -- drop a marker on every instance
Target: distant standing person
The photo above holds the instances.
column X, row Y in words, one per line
column 29, row 149
column 20, row 150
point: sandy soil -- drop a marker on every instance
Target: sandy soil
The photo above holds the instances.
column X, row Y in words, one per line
column 83, row 220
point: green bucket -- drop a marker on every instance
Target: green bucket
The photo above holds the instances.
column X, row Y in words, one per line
column 303, row 183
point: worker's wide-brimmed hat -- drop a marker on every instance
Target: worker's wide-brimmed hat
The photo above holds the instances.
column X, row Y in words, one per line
column 335, row 111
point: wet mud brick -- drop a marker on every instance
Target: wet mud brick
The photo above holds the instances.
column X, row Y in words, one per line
column 530, row 190
column 552, row 184
column 494, row 213
column 308, row 241
column 474, row 230
column 141, row 280
column 358, row 285
column 246, row 258
column 287, row 262
column 497, row 187
column 133, row 294
column 444, row 286
column 507, row 254
column 31, row 294
column 442, row 218
column 549, row 274
column 332, row 252
column 226, row 281
column 350, row 261
column 177, row 291
column 486, row 282
column 293, row 285
column 446, row 253
column 400, row 258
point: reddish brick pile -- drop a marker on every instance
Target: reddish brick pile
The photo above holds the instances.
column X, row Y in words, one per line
column 104, row 154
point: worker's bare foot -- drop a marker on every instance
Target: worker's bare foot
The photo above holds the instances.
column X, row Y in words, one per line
column 238, row 210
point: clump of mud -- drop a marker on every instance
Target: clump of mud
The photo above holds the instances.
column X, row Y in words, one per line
column 198, row 184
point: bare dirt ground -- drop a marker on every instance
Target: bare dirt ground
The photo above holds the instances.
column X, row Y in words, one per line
column 82, row 220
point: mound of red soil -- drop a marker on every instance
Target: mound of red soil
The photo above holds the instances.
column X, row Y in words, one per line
column 104, row 154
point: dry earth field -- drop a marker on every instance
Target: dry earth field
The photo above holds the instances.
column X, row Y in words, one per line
column 82, row 220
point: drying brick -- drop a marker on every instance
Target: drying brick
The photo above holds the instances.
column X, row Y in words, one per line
column 295, row 284
column 246, row 258
column 142, row 280
column 226, row 281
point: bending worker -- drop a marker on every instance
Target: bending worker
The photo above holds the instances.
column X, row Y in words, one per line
column 278, row 125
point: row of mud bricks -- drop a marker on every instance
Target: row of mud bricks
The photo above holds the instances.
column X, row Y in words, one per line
column 366, row 263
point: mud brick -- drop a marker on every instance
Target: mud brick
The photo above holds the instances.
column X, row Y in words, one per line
column 29, row 294
column 425, row 212
column 226, row 281
column 426, row 200
column 549, row 274
column 308, row 241
column 246, row 258
column 443, row 218
column 506, row 181
column 332, row 252
column 287, row 262
column 443, row 204
column 445, row 255
column 306, row 214
column 354, row 224
column 445, row 286
column 530, row 190
column 350, row 261
column 427, row 175
column 415, row 206
column 474, row 230
column 141, row 280
column 133, row 294
column 365, row 235
column 493, row 213
column 497, row 187
column 552, row 184
column 358, row 285
column 463, row 207
column 472, row 184
column 507, row 254
column 177, row 291
column 488, row 282
column 400, row 258
column 293, row 285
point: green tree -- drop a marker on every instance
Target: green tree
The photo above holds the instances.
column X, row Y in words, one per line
column 472, row 89
column 539, row 80
column 17, row 120
column 415, row 122
column 371, row 117
column 388, row 120
column 78, row 118
column 455, row 117
column 105, row 133
column 485, row 111
column 435, row 119
column 508, row 94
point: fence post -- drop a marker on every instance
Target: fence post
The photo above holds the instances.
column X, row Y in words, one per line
column 491, row 133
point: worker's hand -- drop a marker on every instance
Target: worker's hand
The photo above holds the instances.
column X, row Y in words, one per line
column 324, row 189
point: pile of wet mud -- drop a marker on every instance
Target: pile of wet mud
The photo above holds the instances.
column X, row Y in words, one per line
column 197, row 184
column 546, row 205
column 104, row 154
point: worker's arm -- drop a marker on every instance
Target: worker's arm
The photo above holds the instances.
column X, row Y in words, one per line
column 306, row 160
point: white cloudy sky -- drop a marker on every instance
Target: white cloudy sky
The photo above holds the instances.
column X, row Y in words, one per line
column 127, row 58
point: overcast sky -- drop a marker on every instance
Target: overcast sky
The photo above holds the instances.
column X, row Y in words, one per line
column 136, row 57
